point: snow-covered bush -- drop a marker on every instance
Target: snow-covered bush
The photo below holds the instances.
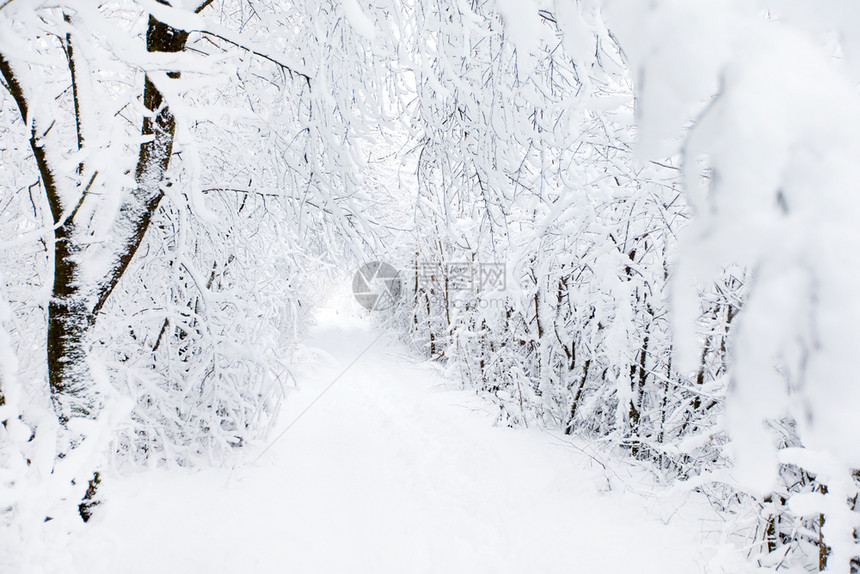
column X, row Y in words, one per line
column 524, row 159
column 569, row 149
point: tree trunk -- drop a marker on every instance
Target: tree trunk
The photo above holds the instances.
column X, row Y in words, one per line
column 636, row 402
column 823, row 549
column 69, row 320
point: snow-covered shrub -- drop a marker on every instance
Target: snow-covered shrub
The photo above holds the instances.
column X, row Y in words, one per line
column 524, row 159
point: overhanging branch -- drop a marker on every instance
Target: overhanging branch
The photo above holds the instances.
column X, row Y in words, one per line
column 192, row 22
column 271, row 59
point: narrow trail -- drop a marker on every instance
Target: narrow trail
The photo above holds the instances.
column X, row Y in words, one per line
column 393, row 470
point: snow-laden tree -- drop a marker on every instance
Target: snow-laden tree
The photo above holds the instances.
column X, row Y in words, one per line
column 132, row 108
column 172, row 190
column 770, row 168
column 523, row 123
column 100, row 208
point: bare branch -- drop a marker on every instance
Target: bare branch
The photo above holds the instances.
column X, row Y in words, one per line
column 199, row 9
column 181, row 20
column 70, row 57
column 278, row 63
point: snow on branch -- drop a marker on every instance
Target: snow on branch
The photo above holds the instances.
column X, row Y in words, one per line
column 192, row 22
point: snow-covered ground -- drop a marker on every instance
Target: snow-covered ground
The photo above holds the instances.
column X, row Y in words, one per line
column 394, row 469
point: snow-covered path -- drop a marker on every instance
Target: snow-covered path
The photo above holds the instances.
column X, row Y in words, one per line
column 393, row 470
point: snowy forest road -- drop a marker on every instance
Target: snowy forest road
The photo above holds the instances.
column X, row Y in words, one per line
column 393, row 470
